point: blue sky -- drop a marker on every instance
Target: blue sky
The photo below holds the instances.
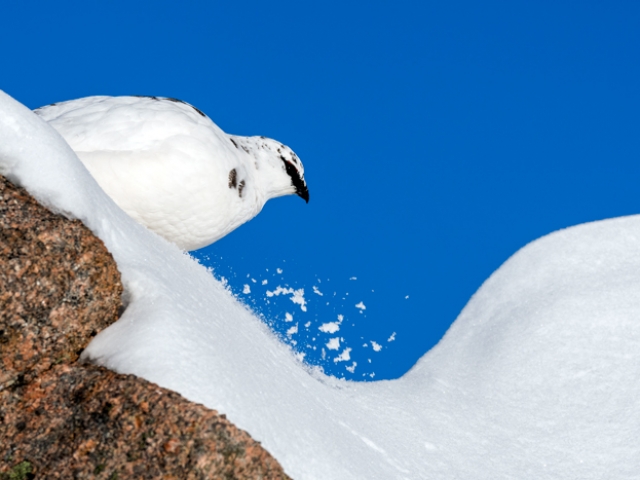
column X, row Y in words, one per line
column 438, row 137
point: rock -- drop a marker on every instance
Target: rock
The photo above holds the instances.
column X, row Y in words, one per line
column 59, row 286
column 87, row 422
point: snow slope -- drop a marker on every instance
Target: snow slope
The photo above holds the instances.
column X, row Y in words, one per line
column 537, row 378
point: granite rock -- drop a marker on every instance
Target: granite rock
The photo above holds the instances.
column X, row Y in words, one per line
column 80, row 422
column 59, row 287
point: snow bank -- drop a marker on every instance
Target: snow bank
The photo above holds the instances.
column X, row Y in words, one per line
column 537, row 378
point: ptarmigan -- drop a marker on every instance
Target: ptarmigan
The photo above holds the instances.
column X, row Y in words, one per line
column 167, row 165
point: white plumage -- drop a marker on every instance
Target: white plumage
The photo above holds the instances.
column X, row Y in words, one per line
column 166, row 164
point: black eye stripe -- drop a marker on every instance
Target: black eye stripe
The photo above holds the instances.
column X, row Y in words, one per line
column 296, row 179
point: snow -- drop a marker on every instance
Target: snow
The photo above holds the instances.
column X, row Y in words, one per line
column 329, row 327
column 376, row 346
column 361, row 306
column 536, row 379
column 297, row 296
column 333, row 343
column 344, row 356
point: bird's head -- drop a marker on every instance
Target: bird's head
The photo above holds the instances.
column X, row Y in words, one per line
column 279, row 169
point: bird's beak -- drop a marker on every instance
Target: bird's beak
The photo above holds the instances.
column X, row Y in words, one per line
column 303, row 192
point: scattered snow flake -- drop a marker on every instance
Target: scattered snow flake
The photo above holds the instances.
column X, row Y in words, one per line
column 334, row 343
column 361, row 306
column 353, row 278
column 406, row 297
column 352, row 368
column 246, row 289
column 392, row 337
column 288, row 317
column 264, row 282
column 317, row 291
column 344, row 356
column 340, row 318
column 279, row 270
column 376, row 346
column 331, row 327
column 293, row 330
column 254, row 280
column 297, row 296
column 307, row 325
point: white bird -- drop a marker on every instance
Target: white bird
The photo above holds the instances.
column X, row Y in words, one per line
column 167, row 165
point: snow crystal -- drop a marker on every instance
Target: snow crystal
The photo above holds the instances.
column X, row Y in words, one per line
column 392, row 337
column 317, row 291
column 344, row 356
column 352, row 368
column 361, row 306
column 293, row 330
column 330, row 327
column 297, row 296
column 333, row 343
column 376, row 346
column 246, row 289
column 288, row 317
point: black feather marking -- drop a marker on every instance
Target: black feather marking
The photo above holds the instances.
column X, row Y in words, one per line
column 170, row 99
column 233, row 179
column 146, row 96
column 234, row 143
column 296, row 180
column 176, row 100
column 240, row 188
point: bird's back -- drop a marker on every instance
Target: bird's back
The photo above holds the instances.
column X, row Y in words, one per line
column 127, row 123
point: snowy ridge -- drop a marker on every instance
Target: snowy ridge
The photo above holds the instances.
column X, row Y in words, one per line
column 537, row 379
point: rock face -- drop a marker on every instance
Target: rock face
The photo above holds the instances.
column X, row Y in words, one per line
column 59, row 287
